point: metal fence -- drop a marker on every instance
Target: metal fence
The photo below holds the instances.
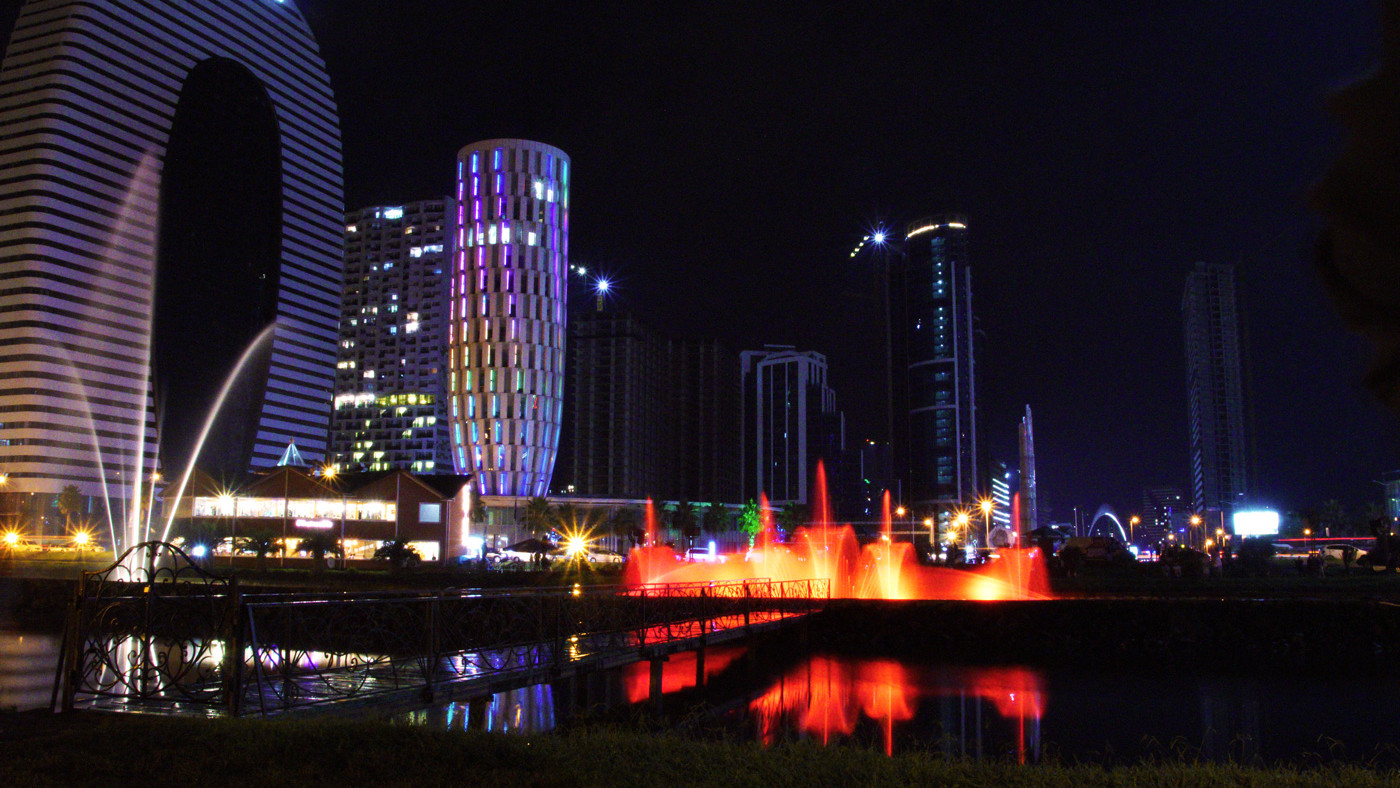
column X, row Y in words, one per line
column 157, row 632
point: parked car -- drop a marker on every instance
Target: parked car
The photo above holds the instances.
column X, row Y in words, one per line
column 703, row 555
column 602, row 555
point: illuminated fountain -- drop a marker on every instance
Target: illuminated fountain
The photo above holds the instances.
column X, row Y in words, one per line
column 126, row 470
column 883, row 569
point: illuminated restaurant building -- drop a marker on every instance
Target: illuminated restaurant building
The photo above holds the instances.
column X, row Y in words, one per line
column 361, row 510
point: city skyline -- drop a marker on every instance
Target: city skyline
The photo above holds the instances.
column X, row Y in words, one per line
column 1100, row 154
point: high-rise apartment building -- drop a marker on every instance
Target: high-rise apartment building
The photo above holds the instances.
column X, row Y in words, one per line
column 1164, row 509
column 507, row 314
column 934, row 373
column 391, row 367
column 1215, row 389
column 707, row 398
column 1030, row 516
column 790, row 421
column 649, row 416
column 618, row 384
column 173, row 192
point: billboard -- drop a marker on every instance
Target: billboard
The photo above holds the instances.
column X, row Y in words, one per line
column 1261, row 522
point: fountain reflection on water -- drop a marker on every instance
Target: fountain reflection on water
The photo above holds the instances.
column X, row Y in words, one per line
column 884, row 569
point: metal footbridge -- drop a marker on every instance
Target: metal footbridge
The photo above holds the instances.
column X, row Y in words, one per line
column 156, row 633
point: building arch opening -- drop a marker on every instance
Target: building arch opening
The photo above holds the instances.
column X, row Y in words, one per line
column 218, row 265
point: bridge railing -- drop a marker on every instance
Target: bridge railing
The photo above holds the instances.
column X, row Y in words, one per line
column 156, row 631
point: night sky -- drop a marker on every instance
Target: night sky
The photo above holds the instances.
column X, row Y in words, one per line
column 727, row 158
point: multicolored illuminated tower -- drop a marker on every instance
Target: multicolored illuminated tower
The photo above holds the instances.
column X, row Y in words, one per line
column 510, row 253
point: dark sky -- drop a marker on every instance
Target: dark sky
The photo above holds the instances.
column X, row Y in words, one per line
column 727, row 157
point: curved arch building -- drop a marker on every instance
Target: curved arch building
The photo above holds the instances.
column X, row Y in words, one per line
column 509, row 291
column 170, row 187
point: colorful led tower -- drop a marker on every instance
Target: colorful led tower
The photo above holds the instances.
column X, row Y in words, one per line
column 509, row 292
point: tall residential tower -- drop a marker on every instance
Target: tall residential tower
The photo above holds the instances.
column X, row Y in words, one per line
column 391, row 368
column 1214, row 389
column 510, row 255
column 934, row 376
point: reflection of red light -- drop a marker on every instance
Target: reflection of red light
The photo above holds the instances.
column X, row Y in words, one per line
column 827, row 694
column 677, row 673
column 884, row 690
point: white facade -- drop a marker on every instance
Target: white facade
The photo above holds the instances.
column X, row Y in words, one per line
column 88, row 94
column 509, row 292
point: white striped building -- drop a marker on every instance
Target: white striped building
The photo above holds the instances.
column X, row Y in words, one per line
column 89, row 92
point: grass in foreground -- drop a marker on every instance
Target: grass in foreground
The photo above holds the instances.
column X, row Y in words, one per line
column 130, row 750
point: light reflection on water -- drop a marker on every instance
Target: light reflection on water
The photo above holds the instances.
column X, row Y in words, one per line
column 984, row 712
column 27, row 663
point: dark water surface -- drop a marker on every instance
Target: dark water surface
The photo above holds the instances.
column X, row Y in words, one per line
column 1003, row 712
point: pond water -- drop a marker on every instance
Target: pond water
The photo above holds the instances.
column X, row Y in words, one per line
column 992, row 712
column 27, row 663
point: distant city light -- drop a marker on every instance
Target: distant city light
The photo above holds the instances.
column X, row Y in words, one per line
column 879, row 237
column 603, row 285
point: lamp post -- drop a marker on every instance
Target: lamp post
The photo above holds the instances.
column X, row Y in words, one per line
column 962, row 528
column 986, row 504
column 1195, row 523
column 1132, row 526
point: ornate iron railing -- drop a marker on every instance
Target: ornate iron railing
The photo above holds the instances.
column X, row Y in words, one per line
column 155, row 631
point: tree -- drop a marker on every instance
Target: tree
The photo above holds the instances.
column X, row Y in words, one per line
column 568, row 518
column 792, row 516
column 319, row 545
column 683, row 519
column 1332, row 519
column 539, row 515
column 399, row 553
column 750, row 519
column 260, row 543
column 715, row 519
column 70, row 504
column 626, row 523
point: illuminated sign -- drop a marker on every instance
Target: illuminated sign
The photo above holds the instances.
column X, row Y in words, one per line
column 303, row 522
column 1257, row 523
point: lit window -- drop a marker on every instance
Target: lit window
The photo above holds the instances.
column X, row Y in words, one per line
column 393, row 213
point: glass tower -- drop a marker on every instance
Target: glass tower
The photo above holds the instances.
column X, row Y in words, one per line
column 935, row 393
column 507, row 314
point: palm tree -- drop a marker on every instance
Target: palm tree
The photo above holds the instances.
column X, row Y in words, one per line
column 319, row 545
column 715, row 519
column 70, row 503
column 791, row 516
column 568, row 518
column 683, row 519
column 260, row 543
column 626, row 522
column 539, row 515
column 399, row 553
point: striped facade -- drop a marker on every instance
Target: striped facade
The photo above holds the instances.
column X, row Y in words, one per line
column 88, row 93
column 509, row 292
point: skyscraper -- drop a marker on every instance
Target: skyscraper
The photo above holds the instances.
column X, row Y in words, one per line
column 173, row 189
column 1030, row 517
column 790, row 422
column 934, row 374
column 618, row 384
column 391, row 368
column 1214, row 389
column 509, row 291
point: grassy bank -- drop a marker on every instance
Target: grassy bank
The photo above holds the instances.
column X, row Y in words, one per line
column 129, row 750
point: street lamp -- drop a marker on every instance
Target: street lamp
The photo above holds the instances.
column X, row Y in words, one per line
column 1132, row 524
column 1195, row 522
column 986, row 504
